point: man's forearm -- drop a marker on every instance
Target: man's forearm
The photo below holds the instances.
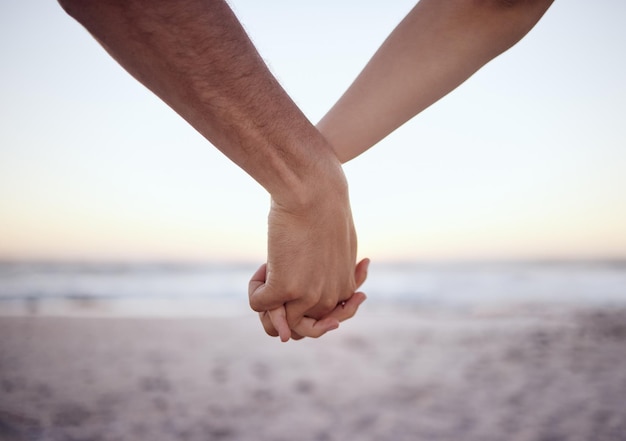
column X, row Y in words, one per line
column 195, row 56
column 438, row 45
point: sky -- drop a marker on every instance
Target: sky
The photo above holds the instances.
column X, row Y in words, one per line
column 526, row 160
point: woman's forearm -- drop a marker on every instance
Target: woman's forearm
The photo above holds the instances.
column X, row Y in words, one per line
column 437, row 46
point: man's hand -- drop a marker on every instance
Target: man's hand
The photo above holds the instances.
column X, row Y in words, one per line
column 274, row 321
column 311, row 253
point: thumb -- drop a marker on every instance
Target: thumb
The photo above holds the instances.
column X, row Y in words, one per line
column 360, row 272
column 260, row 294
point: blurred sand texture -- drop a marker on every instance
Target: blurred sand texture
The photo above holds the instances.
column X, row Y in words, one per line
column 515, row 376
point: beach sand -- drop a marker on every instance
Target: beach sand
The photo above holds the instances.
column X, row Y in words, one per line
column 421, row 375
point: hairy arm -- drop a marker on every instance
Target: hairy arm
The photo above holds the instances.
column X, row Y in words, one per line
column 197, row 58
column 437, row 46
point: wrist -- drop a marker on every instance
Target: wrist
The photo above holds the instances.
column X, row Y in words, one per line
column 317, row 178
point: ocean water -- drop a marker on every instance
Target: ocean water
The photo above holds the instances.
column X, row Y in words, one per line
column 220, row 289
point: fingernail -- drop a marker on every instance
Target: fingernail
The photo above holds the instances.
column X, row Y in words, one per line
column 285, row 335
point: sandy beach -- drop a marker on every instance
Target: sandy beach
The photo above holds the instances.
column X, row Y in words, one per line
column 516, row 376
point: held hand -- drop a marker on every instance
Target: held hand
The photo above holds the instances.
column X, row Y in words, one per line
column 275, row 323
column 311, row 257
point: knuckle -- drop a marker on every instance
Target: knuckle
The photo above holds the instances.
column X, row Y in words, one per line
column 271, row 332
column 325, row 306
column 254, row 305
column 307, row 302
column 327, row 303
column 287, row 292
column 269, row 329
column 291, row 295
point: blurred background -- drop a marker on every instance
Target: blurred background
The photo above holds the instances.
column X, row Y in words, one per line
column 512, row 188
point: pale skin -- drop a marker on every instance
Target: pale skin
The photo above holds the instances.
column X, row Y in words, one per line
column 437, row 46
column 197, row 58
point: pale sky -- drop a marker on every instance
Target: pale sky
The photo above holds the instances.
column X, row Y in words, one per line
column 525, row 160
